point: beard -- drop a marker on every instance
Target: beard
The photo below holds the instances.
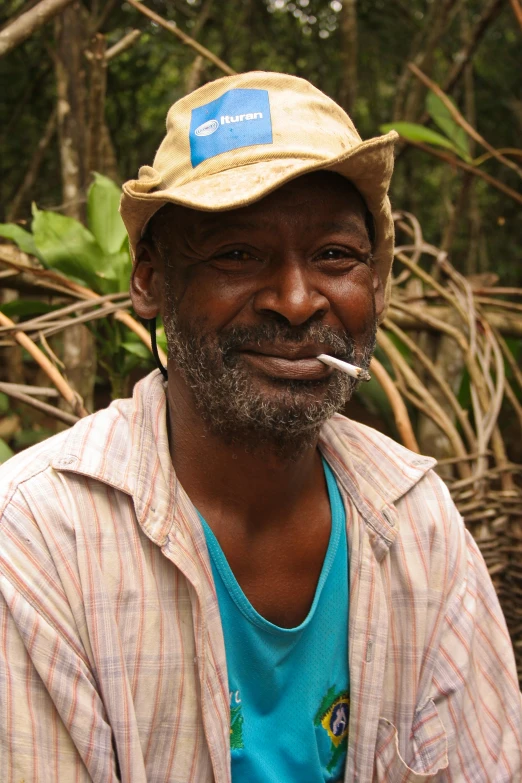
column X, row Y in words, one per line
column 286, row 416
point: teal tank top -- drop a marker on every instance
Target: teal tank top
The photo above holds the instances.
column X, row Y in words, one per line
column 289, row 687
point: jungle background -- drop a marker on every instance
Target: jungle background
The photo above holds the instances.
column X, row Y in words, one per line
column 85, row 91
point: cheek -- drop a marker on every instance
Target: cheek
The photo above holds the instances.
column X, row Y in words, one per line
column 353, row 301
column 212, row 300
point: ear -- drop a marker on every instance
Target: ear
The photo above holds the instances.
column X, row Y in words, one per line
column 378, row 292
column 146, row 283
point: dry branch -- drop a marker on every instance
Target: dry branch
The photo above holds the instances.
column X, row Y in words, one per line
column 50, row 410
column 400, row 411
column 33, row 168
column 175, row 30
column 122, row 45
column 460, row 120
column 454, row 161
column 26, row 24
column 47, row 366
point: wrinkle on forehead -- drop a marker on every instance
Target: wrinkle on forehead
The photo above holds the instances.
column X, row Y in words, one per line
column 302, row 194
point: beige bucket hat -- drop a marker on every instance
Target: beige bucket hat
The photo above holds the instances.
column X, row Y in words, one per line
column 234, row 140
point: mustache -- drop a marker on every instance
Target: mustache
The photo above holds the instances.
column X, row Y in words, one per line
column 339, row 344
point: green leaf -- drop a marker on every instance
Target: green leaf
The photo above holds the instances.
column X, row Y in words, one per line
column 414, row 132
column 22, row 238
column 104, row 219
column 66, row 245
column 5, row 451
column 27, row 307
column 441, row 115
column 137, row 349
column 116, row 274
column 4, row 404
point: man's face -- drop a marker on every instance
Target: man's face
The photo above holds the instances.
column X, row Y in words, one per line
column 250, row 297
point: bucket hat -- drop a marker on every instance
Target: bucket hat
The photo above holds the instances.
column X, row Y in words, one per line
column 236, row 139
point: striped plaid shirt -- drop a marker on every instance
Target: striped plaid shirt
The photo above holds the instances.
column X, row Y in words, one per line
column 112, row 662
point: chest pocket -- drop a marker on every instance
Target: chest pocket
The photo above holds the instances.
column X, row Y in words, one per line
column 428, row 750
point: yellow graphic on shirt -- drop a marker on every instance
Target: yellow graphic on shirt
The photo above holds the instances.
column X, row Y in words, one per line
column 334, row 716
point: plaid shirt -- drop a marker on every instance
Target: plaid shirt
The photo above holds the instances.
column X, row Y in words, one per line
column 112, row 662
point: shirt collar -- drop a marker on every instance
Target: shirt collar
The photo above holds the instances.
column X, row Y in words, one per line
column 126, row 446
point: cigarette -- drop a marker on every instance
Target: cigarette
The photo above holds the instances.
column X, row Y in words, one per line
column 349, row 369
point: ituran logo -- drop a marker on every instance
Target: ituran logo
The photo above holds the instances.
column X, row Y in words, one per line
column 211, row 126
column 242, row 118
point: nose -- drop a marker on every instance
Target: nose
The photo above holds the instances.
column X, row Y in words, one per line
column 291, row 294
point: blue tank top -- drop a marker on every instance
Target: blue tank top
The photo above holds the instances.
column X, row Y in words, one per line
column 289, row 687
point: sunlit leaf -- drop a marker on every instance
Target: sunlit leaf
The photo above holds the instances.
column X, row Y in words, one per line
column 22, row 238
column 103, row 217
column 440, row 114
column 64, row 244
column 415, row 132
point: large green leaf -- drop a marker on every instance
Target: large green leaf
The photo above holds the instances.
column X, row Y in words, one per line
column 116, row 274
column 441, row 115
column 5, row 451
column 103, row 217
column 64, row 244
column 22, row 238
column 414, row 132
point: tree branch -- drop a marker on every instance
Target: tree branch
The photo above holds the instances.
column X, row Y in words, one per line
column 50, row 410
column 47, row 366
column 34, row 167
column 26, row 24
column 454, row 161
column 460, row 120
column 122, row 45
column 175, row 30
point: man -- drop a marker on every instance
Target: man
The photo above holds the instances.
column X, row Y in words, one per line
column 222, row 578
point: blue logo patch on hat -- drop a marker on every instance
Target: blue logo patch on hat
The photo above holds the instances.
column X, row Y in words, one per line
column 239, row 118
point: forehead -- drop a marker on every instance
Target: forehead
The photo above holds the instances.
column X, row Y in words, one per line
column 310, row 200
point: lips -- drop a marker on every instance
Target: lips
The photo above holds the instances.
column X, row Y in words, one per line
column 290, row 362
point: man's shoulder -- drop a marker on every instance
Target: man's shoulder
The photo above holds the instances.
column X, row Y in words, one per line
column 90, row 438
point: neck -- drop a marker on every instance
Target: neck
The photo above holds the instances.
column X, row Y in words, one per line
column 232, row 478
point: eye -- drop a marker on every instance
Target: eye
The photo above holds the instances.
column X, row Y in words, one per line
column 337, row 258
column 234, row 260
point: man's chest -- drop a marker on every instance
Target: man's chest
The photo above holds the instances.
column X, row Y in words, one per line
column 279, row 573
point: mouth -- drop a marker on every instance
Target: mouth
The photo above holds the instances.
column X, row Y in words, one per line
column 288, row 362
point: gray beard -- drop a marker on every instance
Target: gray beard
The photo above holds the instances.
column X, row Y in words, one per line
column 286, row 421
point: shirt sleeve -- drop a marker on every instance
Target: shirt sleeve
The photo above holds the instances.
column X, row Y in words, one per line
column 52, row 722
column 475, row 686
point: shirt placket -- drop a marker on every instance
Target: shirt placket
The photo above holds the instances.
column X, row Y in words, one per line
column 368, row 633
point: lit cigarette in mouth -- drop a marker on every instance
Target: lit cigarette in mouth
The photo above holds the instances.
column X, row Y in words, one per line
column 349, row 369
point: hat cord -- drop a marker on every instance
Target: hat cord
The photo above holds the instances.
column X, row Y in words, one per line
column 152, row 329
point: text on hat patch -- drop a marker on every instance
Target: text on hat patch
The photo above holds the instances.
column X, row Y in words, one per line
column 239, row 118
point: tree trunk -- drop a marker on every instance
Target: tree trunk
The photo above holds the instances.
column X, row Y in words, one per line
column 70, row 90
column 77, row 346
